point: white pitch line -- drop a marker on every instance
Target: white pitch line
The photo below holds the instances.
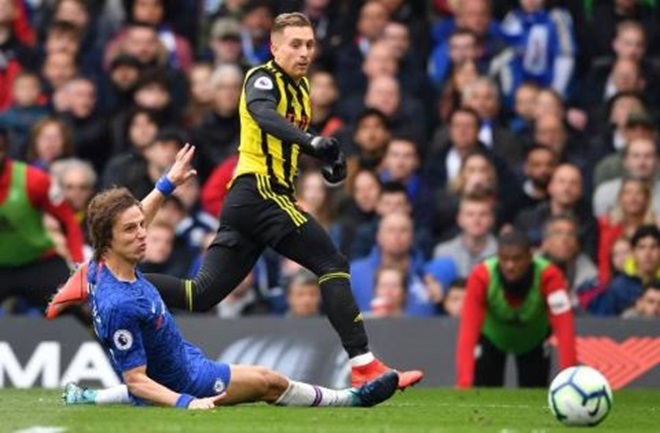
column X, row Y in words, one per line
column 42, row 429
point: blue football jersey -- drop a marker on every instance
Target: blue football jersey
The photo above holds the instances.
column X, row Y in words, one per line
column 133, row 324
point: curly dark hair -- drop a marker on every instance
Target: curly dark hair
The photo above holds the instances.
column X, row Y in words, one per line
column 102, row 212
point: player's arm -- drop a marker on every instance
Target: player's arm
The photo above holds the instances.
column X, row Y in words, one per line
column 44, row 193
column 180, row 172
column 261, row 98
column 472, row 319
column 560, row 314
column 142, row 386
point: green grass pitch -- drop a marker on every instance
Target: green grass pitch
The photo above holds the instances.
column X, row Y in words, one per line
column 416, row 410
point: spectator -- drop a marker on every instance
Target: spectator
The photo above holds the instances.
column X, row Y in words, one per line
column 561, row 246
column 538, row 167
column 215, row 189
column 323, row 97
column 154, row 13
column 389, row 293
column 369, row 142
column 452, row 144
column 90, row 130
column 116, row 92
column 640, row 160
column 50, row 139
column 514, row 286
column 565, row 192
column 450, row 97
column 256, row 21
column 483, row 97
column 401, row 164
column 58, row 68
column 244, row 300
column 370, row 26
column 359, row 213
column 439, row 274
column 200, row 97
column 551, row 132
column 14, row 49
column 216, row 137
column 197, row 224
column 25, row 111
column 543, row 43
column 394, row 247
column 463, row 48
column 642, row 267
column 159, row 257
column 314, row 197
column 638, row 125
column 303, row 295
column 77, row 179
column 129, row 166
column 475, row 242
column 524, row 108
column 647, row 306
column 611, row 137
column 633, row 209
column 225, row 43
column 452, row 305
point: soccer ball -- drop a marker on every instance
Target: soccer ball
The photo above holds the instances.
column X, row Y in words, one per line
column 580, row 396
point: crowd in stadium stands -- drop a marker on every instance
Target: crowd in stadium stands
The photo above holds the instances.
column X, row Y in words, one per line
column 460, row 119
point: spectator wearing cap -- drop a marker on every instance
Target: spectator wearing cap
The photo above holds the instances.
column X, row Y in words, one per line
column 638, row 125
column 225, row 44
column 642, row 267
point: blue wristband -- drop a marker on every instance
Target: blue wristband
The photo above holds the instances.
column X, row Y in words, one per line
column 165, row 186
column 184, row 400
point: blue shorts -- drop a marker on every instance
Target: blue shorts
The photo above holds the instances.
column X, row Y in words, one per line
column 210, row 378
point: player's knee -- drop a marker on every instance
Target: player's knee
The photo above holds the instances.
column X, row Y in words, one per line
column 337, row 263
column 274, row 383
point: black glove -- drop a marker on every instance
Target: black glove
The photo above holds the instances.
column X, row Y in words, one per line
column 335, row 172
column 325, row 148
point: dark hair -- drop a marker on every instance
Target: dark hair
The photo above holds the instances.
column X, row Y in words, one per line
column 645, row 231
column 464, row 32
column 65, row 28
column 464, row 110
column 536, row 147
column 102, row 213
column 371, row 112
column 156, row 76
column 393, row 187
column 652, row 285
column 459, row 283
column 171, row 134
column 514, row 238
column 625, row 94
column 563, row 217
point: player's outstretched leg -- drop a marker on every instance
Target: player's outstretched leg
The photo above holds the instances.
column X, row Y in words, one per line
column 74, row 291
column 76, row 394
column 334, row 280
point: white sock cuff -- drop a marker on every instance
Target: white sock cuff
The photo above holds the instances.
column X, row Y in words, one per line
column 362, row 360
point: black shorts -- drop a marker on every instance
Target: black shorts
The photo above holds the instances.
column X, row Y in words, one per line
column 261, row 212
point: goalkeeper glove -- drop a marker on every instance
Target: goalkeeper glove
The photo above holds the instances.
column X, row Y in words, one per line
column 335, row 173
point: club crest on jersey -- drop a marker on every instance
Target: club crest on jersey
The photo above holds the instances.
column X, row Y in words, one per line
column 263, row 83
column 123, row 339
column 558, row 302
column 219, row 386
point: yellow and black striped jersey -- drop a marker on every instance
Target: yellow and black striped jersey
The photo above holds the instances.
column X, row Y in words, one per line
column 270, row 144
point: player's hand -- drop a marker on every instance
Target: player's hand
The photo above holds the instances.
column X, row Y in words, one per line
column 206, row 403
column 335, row 172
column 327, row 148
column 182, row 169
